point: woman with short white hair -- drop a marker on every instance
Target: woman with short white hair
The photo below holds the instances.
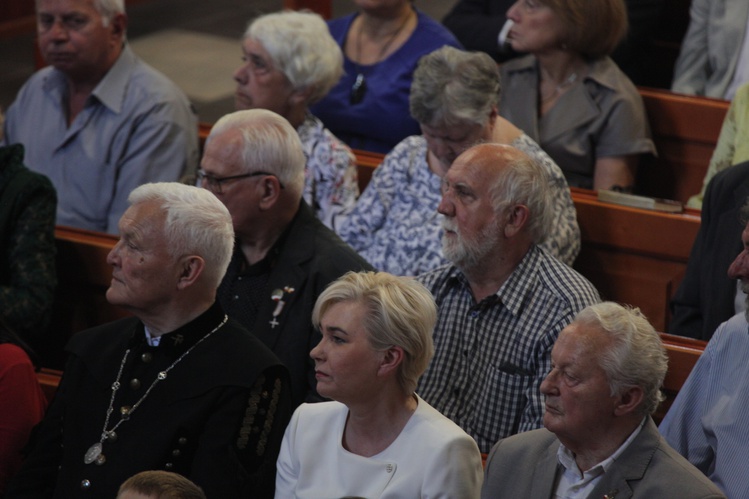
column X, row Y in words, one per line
column 291, row 62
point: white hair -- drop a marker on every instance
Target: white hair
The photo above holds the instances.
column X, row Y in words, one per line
column 301, row 47
column 269, row 143
column 196, row 223
column 637, row 358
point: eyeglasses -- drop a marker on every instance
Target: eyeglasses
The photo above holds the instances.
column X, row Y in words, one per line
column 214, row 183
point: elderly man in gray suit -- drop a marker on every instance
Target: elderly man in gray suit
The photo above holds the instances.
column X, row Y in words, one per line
column 599, row 440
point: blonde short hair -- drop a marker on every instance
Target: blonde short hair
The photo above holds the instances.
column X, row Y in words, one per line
column 399, row 312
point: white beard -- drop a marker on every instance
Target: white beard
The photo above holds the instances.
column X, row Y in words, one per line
column 465, row 253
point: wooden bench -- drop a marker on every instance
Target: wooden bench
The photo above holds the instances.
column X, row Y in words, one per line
column 49, row 380
column 683, row 354
column 322, row 7
column 83, row 276
column 634, row 256
column 366, row 162
column 685, row 131
column 638, row 256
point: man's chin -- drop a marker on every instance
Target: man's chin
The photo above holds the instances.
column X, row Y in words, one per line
column 242, row 103
column 113, row 296
column 549, row 420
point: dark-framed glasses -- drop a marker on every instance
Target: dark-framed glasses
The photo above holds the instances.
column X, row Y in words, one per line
column 215, row 184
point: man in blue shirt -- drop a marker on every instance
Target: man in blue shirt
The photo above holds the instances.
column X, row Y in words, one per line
column 98, row 121
column 708, row 421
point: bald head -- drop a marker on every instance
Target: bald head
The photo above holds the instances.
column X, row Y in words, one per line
column 261, row 140
column 488, row 161
column 512, row 178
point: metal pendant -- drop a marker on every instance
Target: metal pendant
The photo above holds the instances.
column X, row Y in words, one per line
column 358, row 89
column 92, row 453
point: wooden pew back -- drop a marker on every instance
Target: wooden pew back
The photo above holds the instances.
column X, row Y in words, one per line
column 634, row 256
column 83, row 277
column 366, row 162
column 685, row 131
column 683, row 354
column 49, row 380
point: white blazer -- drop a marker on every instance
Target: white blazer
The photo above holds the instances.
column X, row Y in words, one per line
column 431, row 458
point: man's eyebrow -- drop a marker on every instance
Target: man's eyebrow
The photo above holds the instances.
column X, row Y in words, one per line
column 463, row 186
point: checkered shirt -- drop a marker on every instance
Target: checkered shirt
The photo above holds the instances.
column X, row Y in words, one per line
column 490, row 357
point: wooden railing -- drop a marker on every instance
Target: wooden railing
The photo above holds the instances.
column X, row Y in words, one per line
column 631, row 255
column 49, row 380
column 83, row 276
column 322, row 7
column 634, row 256
column 683, row 354
column 685, row 131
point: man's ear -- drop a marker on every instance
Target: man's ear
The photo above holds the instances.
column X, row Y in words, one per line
column 517, row 217
column 270, row 191
column 629, row 401
column 493, row 116
column 391, row 359
column 119, row 25
column 191, row 268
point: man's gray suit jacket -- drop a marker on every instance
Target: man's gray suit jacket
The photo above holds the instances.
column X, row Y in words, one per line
column 526, row 466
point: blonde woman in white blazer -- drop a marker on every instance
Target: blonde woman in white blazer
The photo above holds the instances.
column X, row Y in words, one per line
column 377, row 439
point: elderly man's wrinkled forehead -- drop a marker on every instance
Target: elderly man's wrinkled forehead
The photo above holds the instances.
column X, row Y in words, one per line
column 588, row 340
column 485, row 160
column 144, row 218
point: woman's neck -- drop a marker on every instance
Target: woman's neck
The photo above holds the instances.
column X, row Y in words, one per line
column 382, row 23
column 558, row 72
column 558, row 67
column 373, row 427
column 372, row 38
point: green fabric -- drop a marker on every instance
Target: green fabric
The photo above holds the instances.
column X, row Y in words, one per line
column 733, row 142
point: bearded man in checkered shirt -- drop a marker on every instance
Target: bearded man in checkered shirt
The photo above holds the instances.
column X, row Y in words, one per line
column 502, row 301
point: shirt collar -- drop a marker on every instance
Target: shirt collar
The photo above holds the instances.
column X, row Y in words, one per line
column 178, row 341
column 111, row 89
column 151, row 340
column 515, row 289
column 567, row 458
column 602, row 71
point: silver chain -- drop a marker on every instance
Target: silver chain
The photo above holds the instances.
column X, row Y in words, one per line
column 160, row 377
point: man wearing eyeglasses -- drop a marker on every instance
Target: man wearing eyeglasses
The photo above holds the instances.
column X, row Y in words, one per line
column 283, row 256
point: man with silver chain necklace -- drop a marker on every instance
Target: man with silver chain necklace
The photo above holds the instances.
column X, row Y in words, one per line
column 178, row 387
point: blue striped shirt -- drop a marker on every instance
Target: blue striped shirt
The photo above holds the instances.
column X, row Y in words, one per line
column 709, row 422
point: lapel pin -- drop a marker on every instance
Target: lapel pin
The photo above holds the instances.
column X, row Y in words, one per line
column 277, row 296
